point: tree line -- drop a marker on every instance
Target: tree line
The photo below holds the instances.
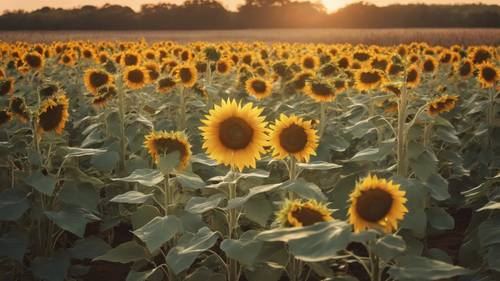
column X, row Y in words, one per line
column 211, row 14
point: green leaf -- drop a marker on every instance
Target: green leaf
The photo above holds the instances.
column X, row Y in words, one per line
column 13, row 204
column 203, row 159
column 438, row 187
column 105, row 161
column 189, row 180
column 147, row 177
column 72, row 219
column 493, row 257
column 318, row 242
column 389, row 247
column 245, row 250
column 368, row 154
column 318, row 165
column 131, row 197
column 13, row 245
column 189, row 247
column 158, row 231
column 422, row 268
column 440, row 219
column 259, row 209
column 143, row 215
column 447, row 134
column 200, row 205
column 425, row 165
column 82, row 194
column 239, row 201
column 489, row 231
column 167, row 163
column 44, row 184
column 203, row 274
column 304, row 189
column 490, row 206
column 54, row 268
column 89, row 248
column 79, row 152
column 142, row 275
column 124, row 253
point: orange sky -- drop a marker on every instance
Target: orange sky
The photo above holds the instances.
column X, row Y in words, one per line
column 331, row 5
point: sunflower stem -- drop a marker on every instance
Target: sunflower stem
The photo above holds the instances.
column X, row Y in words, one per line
column 322, row 119
column 123, row 144
column 401, row 133
column 182, row 110
column 292, row 173
column 491, row 108
column 232, row 223
column 427, row 134
column 374, row 266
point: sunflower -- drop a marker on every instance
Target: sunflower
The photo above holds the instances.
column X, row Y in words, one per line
column 33, row 60
column 104, row 94
column 340, row 85
column 480, row 55
column 186, row 74
column 395, row 69
column 234, row 134
column 376, row 203
column 96, row 78
column 297, row 213
column 292, row 136
column 299, row 81
column 320, row 91
column 223, row 66
column 464, row 68
column 48, row 90
column 391, row 88
column 442, row 104
column 258, row 87
column 160, row 143
column 68, row 59
column 368, row 79
column 135, row 77
column 412, row 77
column 6, row 86
column 5, row 117
column 130, row 58
column 309, row 62
column 429, row 65
column 488, row 74
column 165, row 85
column 53, row 114
column 18, row 107
column 153, row 70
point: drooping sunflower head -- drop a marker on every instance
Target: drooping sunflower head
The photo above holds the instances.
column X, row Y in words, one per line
column 391, row 88
column 300, row 79
column 96, row 78
column 165, row 85
column 298, row 213
column 258, row 87
column 186, row 74
column 135, row 77
column 464, row 68
column 104, row 95
column 488, row 75
column 162, row 143
column 377, row 204
column 480, row 55
column 34, row 60
column 442, row 104
column 235, row 134
column 53, row 114
column 412, row 77
column 294, row 137
column 320, row 91
column 49, row 89
column 18, row 107
column 394, row 69
column 6, row 86
column 367, row 79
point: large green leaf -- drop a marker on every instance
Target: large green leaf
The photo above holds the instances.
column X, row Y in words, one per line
column 318, row 242
column 143, row 215
column 389, row 246
column 124, row 253
column 422, row 268
column 13, row 245
column 13, row 204
column 158, row 231
column 43, row 183
column 318, row 165
column 438, row 187
column 304, row 189
column 245, row 250
column 239, row 201
column 72, row 219
column 167, row 163
column 189, row 247
column 204, row 274
column 131, row 197
column 199, row 205
column 440, row 219
column 143, row 275
column 189, row 180
column 82, row 194
column 147, row 177
column 89, row 248
column 79, row 152
column 51, row 269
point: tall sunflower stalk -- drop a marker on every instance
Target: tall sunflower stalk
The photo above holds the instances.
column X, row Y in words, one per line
column 232, row 223
column 182, row 109
column 401, row 132
column 322, row 118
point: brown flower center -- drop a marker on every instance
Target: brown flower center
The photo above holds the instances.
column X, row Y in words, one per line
column 307, row 216
column 488, row 74
column 412, row 76
column 259, row 86
column 321, row 89
column 98, row 79
column 369, row 77
column 235, row 133
column 33, row 61
column 50, row 119
column 374, row 204
column 167, row 145
column 293, row 139
column 130, row 60
column 136, row 76
column 185, row 74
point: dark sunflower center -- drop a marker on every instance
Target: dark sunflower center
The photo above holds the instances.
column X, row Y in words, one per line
column 412, row 76
column 343, row 63
column 153, row 73
column 222, row 67
column 34, row 61
column 481, row 56
column 369, row 77
column 185, row 74
column 328, row 70
column 321, row 89
column 361, row 56
column 293, row 139
column 235, row 133
column 17, row 105
column 185, row 56
column 307, row 216
column 131, row 60
column 339, row 84
column 136, row 76
column 4, row 117
column 374, row 204
column 201, row 67
column 166, row 83
column 379, row 64
column 5, row 87
column 465, row 69
column 166, row 146
column 50, row 119
column 97, row 79
column 395, row 69
column 48, row 91
column 66, row 59
column 488, row 74
column 87, row 54
column 428, row 66
column 309, row 63
column 259, row 86
column 445, row 58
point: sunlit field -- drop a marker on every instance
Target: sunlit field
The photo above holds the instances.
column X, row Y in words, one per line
column 184, row 156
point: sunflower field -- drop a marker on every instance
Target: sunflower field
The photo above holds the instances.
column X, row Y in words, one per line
column 249, row 161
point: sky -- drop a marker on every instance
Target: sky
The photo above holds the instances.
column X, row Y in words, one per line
column 331, row 5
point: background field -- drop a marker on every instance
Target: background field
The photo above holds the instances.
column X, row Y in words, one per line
column 366, row 36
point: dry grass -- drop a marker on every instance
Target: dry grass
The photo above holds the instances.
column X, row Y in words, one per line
column 365, row 36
